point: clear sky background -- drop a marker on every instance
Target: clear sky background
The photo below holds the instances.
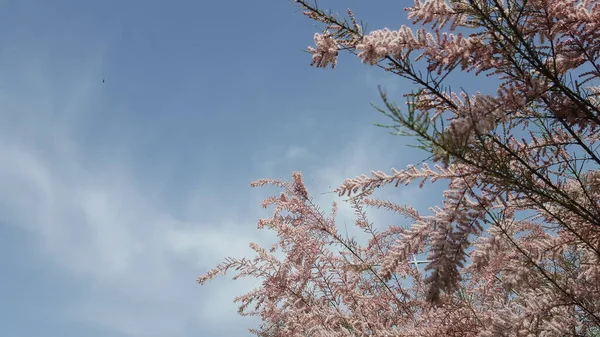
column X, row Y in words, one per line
column 116, row 196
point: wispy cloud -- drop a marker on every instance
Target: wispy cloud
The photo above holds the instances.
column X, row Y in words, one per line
column 98, row 224
column 137, row 261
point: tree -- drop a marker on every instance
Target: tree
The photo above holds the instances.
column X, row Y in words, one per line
column 514, row 248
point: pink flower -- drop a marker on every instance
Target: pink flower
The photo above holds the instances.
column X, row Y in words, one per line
column 326, row 51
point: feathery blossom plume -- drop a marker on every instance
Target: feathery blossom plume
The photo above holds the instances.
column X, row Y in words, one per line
column 513, row 249
column 326, row 51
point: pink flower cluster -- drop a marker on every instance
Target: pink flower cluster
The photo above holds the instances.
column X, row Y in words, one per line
column 514, row 247
column 326, row 51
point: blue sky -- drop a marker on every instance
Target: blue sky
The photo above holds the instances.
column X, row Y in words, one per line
column 116, row 196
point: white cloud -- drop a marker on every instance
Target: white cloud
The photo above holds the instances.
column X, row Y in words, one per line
column 134, row 261
column 137, row 260
column 297, row 153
